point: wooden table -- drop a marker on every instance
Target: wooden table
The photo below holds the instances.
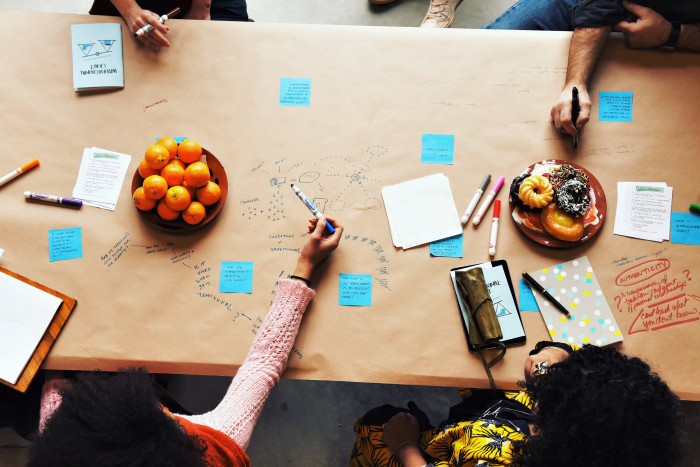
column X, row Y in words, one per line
column 146, row 298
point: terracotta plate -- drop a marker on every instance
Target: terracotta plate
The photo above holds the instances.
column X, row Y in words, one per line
column 218, row 175
column 528, row 221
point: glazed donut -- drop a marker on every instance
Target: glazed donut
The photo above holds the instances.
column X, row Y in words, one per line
column 561, row 225
column 573, row 197
column 564, row 173
column 515, row 191
column 536, row 191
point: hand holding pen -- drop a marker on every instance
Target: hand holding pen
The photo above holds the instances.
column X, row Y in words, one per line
column 136, row 18
column 563, row 110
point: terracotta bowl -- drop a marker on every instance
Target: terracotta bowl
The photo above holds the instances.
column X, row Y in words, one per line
column 217, row 175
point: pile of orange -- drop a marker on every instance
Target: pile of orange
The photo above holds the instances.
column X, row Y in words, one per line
column 175, row 182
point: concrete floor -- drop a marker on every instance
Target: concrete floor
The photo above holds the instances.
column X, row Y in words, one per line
column 310, row 422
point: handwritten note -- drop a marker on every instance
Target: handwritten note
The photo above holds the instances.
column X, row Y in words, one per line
column 295, row 92
column 437, row 149
column 527, row 299
column 65, row 244
column 615, row 107
column 355, row 290
column 449, row 247
column 643, row 210
column 236, row 277
column 685, row 228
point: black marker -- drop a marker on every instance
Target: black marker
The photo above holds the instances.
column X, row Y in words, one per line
column 546, row 294
column 575, row 109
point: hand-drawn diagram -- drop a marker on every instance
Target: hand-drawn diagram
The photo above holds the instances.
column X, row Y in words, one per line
column 106, row 47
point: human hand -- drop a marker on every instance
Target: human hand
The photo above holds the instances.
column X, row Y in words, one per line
column 136, row 18
column 561, row 110
column 550, row 354
column 648, row 30
column 318, row 246
column 402, row 433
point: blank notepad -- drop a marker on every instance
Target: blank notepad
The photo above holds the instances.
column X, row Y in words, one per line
column 25, row 315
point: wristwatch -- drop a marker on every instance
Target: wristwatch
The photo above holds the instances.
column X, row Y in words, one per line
column 675, row 34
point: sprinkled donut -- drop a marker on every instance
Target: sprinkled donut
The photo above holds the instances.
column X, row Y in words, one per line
column 536, row 191
column 564, row 173
column 573, row 197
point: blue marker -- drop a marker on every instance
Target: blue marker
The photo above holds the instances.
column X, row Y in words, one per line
column 312, row 208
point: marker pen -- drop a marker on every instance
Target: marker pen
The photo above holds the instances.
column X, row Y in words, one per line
column 476, row 198
column 311, row 207
column 53, row 199
column 487, row 201
column 162, row 20
column 19, row 171
column 494, row 227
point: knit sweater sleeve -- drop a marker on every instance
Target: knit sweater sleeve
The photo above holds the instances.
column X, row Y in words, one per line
column 267, row 358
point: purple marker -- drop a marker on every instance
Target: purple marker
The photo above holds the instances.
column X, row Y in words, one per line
column 487, row 201
column 53, row 199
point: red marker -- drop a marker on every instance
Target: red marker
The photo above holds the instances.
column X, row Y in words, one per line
column 494, row 227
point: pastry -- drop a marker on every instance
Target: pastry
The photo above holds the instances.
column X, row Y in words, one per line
column 564, row 173
column 561, row 225
column 573, row 197
column 515, row 191
column 536, row 191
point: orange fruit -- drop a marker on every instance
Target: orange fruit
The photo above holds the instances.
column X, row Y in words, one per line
column 157, row 156
column 155, row 187
column 178, row 162
column 191, row 189
column 194, row 213
column 145, row 170
column 169, row 143
column 173, row 174
column 166, row 213
column 141, row 201
column 189, row 151
column 197, row 174
column 177, row 198
column 209, row 194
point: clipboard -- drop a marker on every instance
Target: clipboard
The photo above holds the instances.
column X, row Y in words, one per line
column 49, row 337
column 505, row 303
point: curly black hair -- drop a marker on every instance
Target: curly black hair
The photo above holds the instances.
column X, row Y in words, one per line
column 598, row 408
column 111, row 419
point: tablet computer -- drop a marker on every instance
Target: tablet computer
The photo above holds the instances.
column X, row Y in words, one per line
column 500, row 288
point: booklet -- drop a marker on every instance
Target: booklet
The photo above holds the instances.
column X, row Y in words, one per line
column 500, row 288
column 98, row 62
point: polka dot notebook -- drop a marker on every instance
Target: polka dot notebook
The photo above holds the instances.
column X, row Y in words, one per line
column 575, row 285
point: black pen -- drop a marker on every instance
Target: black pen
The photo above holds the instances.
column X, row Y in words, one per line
column 575, row 109
column 546, row 294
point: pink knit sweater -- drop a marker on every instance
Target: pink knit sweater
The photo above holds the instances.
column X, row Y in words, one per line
column 267, row 358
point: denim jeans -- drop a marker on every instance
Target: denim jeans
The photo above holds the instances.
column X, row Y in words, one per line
column 543, row 15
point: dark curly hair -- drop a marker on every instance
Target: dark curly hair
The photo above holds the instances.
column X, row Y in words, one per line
column 111, row 419
column 598, row 408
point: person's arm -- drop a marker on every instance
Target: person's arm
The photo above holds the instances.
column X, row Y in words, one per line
column 401, row 434
column 136, row 17
column 200, row 9
column 650, row 29
column 267, row 358
column 586, row 46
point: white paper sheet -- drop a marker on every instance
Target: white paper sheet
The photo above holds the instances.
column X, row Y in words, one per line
column 25, row 314
column 101, row 177
column 421, row 211
column 643, row 210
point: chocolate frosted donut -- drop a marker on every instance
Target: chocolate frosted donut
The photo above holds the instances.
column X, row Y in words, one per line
column 515, row 191
column 564, row 173
column 573, row 197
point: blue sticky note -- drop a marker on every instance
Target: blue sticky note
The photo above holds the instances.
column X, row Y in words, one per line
column 437, row 149
column 527, row 299
column 685, row 228
column 450, row 247
column 65, row 244
column 236, row 277
column 355, row 290
column 295, row 92
column 615, row 106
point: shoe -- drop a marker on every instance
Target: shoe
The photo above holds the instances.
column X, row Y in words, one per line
column 440, row 14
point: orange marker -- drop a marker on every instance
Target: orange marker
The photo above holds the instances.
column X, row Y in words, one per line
column 18, row 172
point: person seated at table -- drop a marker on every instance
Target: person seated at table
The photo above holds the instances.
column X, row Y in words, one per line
column 115, row 419
column 441, row 13
column 588, row 407
column 645, row 24
column 138, row 14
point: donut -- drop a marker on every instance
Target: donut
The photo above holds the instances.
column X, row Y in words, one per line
column 515, row 191
column 573, row 197
column 561, row 225
column 536, row 191
column 566, row 172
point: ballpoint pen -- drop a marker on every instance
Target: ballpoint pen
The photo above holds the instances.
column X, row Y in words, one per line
column 575, row 110
column 546, row 294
